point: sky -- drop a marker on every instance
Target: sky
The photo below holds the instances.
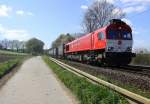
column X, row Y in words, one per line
column 47, row 19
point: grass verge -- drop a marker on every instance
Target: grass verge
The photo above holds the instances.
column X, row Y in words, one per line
column 132, row 88
column 85, row 91
column 7, row 66
column 11, row 53
column 111, row 78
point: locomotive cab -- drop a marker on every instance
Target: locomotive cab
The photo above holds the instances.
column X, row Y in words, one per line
column 119, row 43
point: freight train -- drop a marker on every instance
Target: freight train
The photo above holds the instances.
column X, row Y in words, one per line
column 110, row 45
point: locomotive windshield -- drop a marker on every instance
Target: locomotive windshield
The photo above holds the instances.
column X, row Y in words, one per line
column 124, row 35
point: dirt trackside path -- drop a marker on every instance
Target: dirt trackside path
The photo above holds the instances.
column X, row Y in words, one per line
column 34, row 83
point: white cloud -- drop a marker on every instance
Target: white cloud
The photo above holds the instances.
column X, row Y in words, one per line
column 23, row 13
column 109, row 1
column 84, row 7
column 14, row 34
column 5, row 10
column 132, row 6
column 135, row 2
column 20, row 12
column 137, row 9
column 30, row 14
column 135, row 6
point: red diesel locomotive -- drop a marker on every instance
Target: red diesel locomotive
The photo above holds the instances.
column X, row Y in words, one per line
column 111, row 45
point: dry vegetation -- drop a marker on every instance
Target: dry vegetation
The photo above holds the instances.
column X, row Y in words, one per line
column 142, row 59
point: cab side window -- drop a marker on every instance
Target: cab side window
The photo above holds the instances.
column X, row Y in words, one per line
column 101, row 36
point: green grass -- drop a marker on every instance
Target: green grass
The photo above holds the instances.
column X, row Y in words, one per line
column 85, row 91
column 131, row 88
column 11, row 53
column 7, row 66
column 141, row 59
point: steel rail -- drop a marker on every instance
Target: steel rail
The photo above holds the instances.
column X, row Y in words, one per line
column 142, row 70
column 135, row 69
column 130, row 95
column 140, row 66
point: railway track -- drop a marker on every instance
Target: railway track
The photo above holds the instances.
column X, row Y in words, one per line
column 136, row 69
column 137, row 99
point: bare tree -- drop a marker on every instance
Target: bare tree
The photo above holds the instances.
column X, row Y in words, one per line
column 98, row 15
column 13, row 45
column 5, row 44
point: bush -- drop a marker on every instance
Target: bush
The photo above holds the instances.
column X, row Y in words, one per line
column 85, row 91
column 142, row 59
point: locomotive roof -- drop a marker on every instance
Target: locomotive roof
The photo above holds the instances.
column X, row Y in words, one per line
column 113, row 22
column 98, row 30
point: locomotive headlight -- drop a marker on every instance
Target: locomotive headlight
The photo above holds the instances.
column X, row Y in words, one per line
column 110, row 48
column 129, row 49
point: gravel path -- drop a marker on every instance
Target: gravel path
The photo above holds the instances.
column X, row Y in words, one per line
column 34, row 83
